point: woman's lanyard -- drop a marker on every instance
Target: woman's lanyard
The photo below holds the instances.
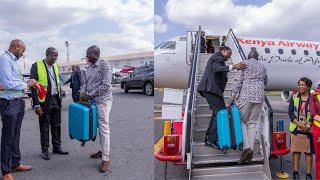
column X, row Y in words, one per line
column 305, row 106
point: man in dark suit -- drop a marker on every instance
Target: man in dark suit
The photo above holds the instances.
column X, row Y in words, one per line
column 46, row 72
column 212, row 86
column 75, row 82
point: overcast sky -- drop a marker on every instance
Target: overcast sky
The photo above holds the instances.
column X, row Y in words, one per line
column 117, row 26
column 287, row 19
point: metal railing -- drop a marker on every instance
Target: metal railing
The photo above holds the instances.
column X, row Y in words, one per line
column 191, row 90
column 191, row 97
column 234, row 38
column 270, row 121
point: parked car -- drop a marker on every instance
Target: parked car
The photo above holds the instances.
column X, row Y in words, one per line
column 116, row 78
column 140, row 78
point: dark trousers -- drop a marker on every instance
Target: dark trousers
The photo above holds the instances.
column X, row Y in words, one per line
column 202, row 49
column 12, row 112
column 75, row 95
column 216, row 104
column 51, row 117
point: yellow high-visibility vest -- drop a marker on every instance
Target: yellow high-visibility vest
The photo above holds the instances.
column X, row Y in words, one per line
column 296, row 101
column 43, row 78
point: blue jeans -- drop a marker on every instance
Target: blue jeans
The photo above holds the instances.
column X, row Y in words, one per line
column 12, row 112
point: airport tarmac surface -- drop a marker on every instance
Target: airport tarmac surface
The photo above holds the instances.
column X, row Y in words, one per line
column 180, row 172
column 131, row 123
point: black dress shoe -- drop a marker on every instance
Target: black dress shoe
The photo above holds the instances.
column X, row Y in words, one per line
column 308, row 177
column 246, row 156
column 45, row 155
column 59, row 151
column 295, row 175
column 213, row 145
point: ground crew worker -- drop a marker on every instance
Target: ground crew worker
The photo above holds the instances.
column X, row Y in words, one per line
column 301, row 137
column 46, row 71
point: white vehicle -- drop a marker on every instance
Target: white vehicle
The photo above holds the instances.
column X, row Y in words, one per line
column 179, row 65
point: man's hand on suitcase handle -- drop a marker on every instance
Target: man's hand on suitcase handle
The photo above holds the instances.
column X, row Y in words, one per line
column 228, row 104
column 84, row 97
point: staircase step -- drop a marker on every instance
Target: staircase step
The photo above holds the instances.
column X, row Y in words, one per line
column 241, row 173
column 203, row 109
column 205, row 56
column 202, row 120
column 199, row 132
column 216, row 159
column 213, row 171
column 200, row 149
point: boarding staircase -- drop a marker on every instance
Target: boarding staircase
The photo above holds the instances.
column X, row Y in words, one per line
column 206, row 162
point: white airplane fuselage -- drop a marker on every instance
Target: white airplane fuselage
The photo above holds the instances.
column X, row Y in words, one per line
column 285, row 60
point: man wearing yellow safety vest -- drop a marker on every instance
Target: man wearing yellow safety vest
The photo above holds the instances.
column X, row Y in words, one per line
column 301, row 137
column 46, row 72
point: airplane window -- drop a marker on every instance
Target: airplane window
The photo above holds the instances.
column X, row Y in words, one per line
column 267, row 50
column 280, row 51
column 168, row 45
column 293, row 52
column 159, row 45
column 318, row 53
column 306, row 52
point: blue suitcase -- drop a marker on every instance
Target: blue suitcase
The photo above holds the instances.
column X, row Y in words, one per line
column 223, row 128
column 236, row 127
column 83, row 122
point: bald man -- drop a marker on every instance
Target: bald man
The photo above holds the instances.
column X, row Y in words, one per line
column 48, row 109
column 12, row 108
column 98, row 90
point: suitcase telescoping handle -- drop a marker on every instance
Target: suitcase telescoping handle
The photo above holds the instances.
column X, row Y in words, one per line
column 89, row 105
column 232, row 126
column 232, row 134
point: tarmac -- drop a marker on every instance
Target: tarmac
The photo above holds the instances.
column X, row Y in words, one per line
column 131, row 122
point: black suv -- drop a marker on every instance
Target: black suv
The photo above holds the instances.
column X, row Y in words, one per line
column 140, row 78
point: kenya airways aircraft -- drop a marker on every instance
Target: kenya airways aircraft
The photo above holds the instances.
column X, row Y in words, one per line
column 285, row 60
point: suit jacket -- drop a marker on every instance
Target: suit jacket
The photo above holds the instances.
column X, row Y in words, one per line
column 75, row 80
column 34, row 75
column 215, row 77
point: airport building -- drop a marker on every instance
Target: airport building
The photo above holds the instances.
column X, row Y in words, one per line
column 117, row 61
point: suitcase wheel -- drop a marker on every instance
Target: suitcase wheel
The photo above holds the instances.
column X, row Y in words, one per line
column 83, row 143
column 93, row 139
column 70, row 136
